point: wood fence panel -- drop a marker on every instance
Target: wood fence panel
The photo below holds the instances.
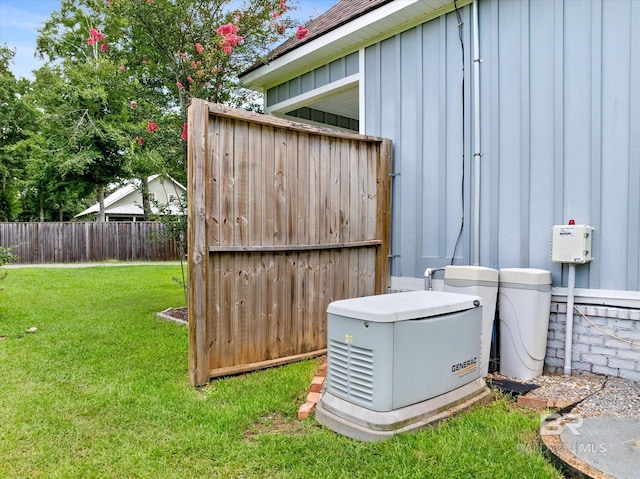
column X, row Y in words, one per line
column 78, row 242
column 290, row 217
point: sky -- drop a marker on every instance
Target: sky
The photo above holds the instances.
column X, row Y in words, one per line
column 20, row 19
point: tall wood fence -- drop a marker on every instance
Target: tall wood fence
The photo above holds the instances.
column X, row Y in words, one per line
column 77, row 242
column 283, row 219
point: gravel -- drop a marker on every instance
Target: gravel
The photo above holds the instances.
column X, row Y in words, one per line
column 596, row 395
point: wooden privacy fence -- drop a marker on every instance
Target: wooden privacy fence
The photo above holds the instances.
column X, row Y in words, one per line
column 283, row 219
column 77, row 242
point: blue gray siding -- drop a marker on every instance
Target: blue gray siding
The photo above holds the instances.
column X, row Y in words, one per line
column 560, row 116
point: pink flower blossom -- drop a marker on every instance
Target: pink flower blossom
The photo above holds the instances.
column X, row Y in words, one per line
column 283, row 6
column 140, row 140
column 190, row 80
column 179, row 85
column 94, row 36
column 228, row 29
column 182, row 54
column 134, row 104
column 200, row 73
column 227, row 49
column 150, row 1
column 122, row 68
column 301, row 32
column 193, row 65
column 151, row 126
column 185, row 130
column 276, row 14
column 199, row 48
column 104, row 47
column 93, row 33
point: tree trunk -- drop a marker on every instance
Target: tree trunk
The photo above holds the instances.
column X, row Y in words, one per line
column 101, row 216
column 146, row 202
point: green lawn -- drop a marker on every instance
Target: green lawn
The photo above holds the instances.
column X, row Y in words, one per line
column 101, row 390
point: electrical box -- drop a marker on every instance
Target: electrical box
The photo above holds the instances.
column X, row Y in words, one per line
column 571, row 243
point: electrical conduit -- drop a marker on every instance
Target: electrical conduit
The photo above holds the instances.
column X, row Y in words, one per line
column 476, row 135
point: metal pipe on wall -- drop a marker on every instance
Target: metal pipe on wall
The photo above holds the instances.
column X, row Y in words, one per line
column 476, row 135
column 569, row 325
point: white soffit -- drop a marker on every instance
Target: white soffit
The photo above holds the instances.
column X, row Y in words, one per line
column 339, row 98
column 381, row 23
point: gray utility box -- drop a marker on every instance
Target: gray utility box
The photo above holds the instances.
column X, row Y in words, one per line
column 390, row 351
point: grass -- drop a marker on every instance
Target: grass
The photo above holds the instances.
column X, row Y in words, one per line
column 101, row 390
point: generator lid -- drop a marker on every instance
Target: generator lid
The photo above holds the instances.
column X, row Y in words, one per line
column 386, row 308
column 478, row 274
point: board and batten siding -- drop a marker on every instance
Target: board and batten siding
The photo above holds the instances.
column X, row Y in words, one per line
column 560, row 119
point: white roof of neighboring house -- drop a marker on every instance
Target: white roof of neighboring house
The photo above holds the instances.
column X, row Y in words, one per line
column 134, row 208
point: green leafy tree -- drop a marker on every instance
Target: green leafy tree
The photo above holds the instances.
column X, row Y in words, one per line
column 17, row 119
column 157, row 53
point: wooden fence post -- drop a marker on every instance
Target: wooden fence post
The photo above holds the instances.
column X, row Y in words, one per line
column 198, row 120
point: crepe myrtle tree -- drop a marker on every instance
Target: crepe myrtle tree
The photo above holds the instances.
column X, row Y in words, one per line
column 164, row 53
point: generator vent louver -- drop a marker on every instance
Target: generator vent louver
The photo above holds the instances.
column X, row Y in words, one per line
column 350, row 371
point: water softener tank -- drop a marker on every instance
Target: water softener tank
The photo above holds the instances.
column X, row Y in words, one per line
column 477, row 281
column 523, row 308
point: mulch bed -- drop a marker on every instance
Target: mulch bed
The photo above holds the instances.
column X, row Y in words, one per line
column 178, row 315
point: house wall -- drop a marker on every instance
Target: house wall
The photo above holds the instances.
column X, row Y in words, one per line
column 560, row 117
column 615, row 354
column 560, row 139
column 413, row 95
column 161, row 188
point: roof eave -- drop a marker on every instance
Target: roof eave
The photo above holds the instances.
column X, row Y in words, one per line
column 374, row 26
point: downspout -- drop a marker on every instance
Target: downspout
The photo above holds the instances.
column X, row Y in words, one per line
column 476, row 135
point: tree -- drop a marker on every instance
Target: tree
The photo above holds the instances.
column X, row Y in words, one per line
column 17, row 118
column 157, row 54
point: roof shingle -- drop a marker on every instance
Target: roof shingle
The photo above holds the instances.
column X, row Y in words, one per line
column 342, row 12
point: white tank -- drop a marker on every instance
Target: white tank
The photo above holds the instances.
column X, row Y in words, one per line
column 523, row 309
column 477, row 281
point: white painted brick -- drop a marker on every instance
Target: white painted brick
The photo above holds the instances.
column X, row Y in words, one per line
column 630, row 375
column 631, row 354
column 628, row 334
column 560, row 337
column 581, row 348
column 554, row 343
column 553, row 361
column 590, row 339
column 622, row 364
column 602, row 350
column 616, row 344
column 620, row 324
column 595, row 359
column 605, row 371
column 579, row 327
column 581, row 366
